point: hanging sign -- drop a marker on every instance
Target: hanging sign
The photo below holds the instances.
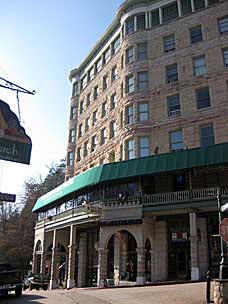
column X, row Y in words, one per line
column 15, row 144
column 6, row 197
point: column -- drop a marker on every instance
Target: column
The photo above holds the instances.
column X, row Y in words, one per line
column 179, row 8
column 206, row 3
column 43, row 259
column 160, row 15
column 135, row 23
column 147, row 20
column 82, row 260
column 124, row 260
column 34, row 263
column 102, row 267
column 140, row 280
column 71, row 258
column 54, row 274
column 116, row 259
column 193, row 5
column 194, row 247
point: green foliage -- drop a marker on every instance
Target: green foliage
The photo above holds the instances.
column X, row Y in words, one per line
column 17, row 227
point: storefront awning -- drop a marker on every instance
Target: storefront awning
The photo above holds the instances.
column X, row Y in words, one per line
column 186, row 159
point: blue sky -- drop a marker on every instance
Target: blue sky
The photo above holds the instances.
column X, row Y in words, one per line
column 40, row 42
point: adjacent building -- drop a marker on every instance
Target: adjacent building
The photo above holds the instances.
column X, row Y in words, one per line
column 147, row 152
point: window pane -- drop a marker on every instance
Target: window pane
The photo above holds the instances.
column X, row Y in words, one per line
column 141, row 23
column 171, row 73
column 116, row 45
column 200, row 66
column 141, row 51
column 130, row 55
column 196, row 34
column 173, row 103
column 144, row 146
column 199, row 4
column 170, row 12
column 225, row 54
column 130, row 25
column 207, row 135
column 143, row 80
column 155, row 18
column 186, row 7
column 176, row 140
column 203, row 98
column 143, row 111
column 169, row 43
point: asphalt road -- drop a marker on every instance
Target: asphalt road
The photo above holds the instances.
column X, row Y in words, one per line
column 193, row 293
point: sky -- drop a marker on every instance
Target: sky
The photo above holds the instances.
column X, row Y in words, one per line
column 40, row 43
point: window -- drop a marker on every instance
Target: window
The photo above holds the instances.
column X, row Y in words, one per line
column 155, row 20
column 93, row 143
column 223, row 25
column 78, row 154
column 210, row 2
column 142, row 51
column 113, row 101
column 130, row 84
column 141, row 22
column 75, row 89
column 130, row 149
column 199, row 66
column 98, row 65
column 86, row 149
column 225, row 56
column 143, row 111
column 129, row 115
column 114, row 73
column 142, row 80
column 130, row 55
column 107, row 55
column 144, row 146
column 173, row 105
column 94, row 118
column 170, row 12
column 73, row 112
column 104, row 109
column 186, row 7
column 112, row 129
column 112, row 157
column 87, row 124
column 169, row 43
column 91, row 74
column 81, row 107
column 171, row 73
column 203, row 98
column 95, row 92
column 103, row 136
column 72, row 136
column 207, row 135
column 80, row 131
column 116, row 45
column 199, row 4
column 70, row 158
column 88, row 99
column 105, row 82
column 129, row 25
column 176, row 140
column 83, row 82
column 196, row 34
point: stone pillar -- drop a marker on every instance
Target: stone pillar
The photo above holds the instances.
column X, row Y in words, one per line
column 179, row 8
column 147, row 20
column 135, row 23
column 34, row 262
column 203, row 246
column 82, row 260
column 220, row 291
column 71, row 258
column 160, row 15
column 43, row 260
column 140, row 280
column 206, row 3
column 193, row 5
column 124, row 260
column 160, row 248
column 102, row 267
column 54, row 272
column 116, row 259
column 194, row 247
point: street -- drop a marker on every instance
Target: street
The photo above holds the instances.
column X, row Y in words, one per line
column 193, row 293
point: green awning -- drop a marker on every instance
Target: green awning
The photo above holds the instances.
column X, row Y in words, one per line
column 186, row 159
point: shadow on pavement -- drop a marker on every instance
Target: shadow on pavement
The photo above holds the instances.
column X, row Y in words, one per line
column 24, row 299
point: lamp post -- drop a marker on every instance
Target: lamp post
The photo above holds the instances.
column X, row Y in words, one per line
column 223, row 269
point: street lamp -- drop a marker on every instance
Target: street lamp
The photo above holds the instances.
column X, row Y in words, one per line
column 223, row 269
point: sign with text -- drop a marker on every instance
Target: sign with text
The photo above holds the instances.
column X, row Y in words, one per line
column 223, row 229
column 6, row 197
column 15, row 144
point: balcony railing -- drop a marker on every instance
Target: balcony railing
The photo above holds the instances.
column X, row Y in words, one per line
column 183, row 196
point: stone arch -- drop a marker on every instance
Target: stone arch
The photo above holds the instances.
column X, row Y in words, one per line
column 38, row 247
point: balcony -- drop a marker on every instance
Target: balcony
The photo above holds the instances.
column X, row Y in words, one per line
column 195, row 195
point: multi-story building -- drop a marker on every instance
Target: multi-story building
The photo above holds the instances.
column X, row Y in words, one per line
column 147, row 151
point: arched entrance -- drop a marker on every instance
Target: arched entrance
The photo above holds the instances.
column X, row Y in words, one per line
column 122, row 257
column 38, row 254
